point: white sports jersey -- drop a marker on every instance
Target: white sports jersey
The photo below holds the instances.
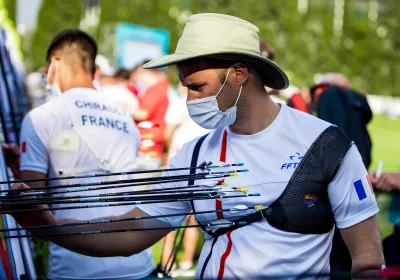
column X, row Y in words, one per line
column 82, row 132
column 259, row 250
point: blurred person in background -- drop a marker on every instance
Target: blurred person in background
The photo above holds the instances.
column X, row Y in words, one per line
column 336, row 102
column 80, row 132
column 390, row 182
column 173, row 117
column 153, row 87
column 267, row 52
column 180, row 128
column 37, row 88
column 114, row 85
column 297, row 99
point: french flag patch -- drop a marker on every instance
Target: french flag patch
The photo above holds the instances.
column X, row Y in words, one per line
column 23, row 147
column 360, row 189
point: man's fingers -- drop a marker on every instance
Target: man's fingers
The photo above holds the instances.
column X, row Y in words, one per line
column 15, row 149
column 19, row 186
column 372, row 176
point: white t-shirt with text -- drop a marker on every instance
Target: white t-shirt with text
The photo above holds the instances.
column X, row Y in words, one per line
column 259, row 250
column 78, row 133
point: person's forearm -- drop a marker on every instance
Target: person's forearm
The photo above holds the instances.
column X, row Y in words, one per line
column 368, row 263
column 106, row 244
column 365, row 246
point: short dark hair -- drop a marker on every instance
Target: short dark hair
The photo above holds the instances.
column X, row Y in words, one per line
column 123, row 74
column 87, row 46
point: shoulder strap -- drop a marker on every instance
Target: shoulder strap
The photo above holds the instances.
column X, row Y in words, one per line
column 193, row 163
column 195, row 157
column 177, row 244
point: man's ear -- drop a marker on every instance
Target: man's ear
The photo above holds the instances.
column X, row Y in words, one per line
column 241, row 73
column 52, row 70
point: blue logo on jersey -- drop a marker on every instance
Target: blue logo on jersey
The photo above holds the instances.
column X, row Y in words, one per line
column 310, row 200
column 295, row 161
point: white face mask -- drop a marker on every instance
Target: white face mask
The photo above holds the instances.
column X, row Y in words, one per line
column 205, row 111
column 54, row 89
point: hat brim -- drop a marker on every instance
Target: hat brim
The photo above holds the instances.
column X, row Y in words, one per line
column 272, row 75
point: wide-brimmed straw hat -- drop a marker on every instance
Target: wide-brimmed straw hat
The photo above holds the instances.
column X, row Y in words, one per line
column 223, row 37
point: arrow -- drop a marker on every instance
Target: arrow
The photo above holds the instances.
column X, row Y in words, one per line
column 203, row 166
column 120, row 230
column 122, row 204
column 47, row 200
column 63, row 200
column 36, row 193
column 95, row 222
column 152, row 180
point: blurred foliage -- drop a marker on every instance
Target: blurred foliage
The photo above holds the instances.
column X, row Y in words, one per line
column 367, row 50
column 53, row 17
column 11, row 6
column 7, row 23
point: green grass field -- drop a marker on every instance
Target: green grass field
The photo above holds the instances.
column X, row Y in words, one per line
column 385, row 134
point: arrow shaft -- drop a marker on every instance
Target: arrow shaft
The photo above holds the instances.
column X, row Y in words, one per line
column 121, row 173
column 106, row 199
column 95, row 222
column 151, row 191
column 119, row 204
column 143, row 181
column 61, row 200
column 112, row 231
column 113, row 195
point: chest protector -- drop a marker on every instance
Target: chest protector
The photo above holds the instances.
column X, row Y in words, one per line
column 304, row 205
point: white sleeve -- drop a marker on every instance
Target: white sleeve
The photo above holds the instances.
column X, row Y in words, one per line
column 34, row 155
column 350, row 193
column 172, row 207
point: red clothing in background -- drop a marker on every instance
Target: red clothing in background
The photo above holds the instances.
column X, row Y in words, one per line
column 298, row 102
column 133, row 89
column 154, row 100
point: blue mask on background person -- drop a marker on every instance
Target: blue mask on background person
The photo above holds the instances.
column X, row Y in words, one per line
column 206, row 113
column 54, row 89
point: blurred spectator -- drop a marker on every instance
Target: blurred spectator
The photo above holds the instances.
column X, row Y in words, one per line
column 153, row 86
column 174, row 116
column 334, row 101
column 185, row 128
column 296, row 99
column 37, row 88
column 180, row 129
column 267, row 52
column 114, row 85
column 390, row 182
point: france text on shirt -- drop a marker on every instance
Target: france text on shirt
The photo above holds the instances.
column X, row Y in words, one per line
column 102, row 121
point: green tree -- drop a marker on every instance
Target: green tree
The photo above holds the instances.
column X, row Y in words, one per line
column 305, row 43
column 53, row 17
column 11, row 6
